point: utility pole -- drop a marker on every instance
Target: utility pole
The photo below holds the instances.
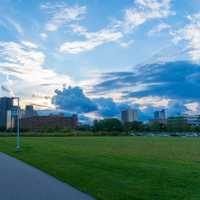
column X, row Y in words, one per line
column 17, row 114
column 18, row 131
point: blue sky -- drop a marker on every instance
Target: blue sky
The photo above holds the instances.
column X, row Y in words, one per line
column 45, row 45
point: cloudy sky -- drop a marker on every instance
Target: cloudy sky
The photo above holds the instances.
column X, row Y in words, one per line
column 141, row 53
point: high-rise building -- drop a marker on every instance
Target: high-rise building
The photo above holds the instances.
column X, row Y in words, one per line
column 6, row 104
column 11, row 120
column 29, row 111
column 129, row 115
column 160, row 116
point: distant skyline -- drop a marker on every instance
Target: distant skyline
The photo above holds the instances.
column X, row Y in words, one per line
column 105, row 48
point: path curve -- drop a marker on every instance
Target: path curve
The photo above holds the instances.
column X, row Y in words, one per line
column 20, row 181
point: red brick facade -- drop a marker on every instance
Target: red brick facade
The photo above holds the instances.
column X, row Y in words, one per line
column 37, row 123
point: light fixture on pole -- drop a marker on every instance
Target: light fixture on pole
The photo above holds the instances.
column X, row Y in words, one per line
column 16, row 113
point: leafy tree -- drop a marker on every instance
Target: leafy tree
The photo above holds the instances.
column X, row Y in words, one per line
column 157, row 126
column 108, row 125
column 134, row 126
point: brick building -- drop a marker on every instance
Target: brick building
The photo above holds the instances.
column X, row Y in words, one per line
column 37, row 123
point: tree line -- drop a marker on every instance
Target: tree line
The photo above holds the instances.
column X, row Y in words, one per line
column 115, row 125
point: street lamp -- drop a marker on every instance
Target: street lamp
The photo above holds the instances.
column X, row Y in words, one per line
column 17, row 114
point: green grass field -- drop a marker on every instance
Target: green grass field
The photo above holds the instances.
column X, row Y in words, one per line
column 118, row 168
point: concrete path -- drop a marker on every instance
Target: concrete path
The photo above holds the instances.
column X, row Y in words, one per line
column 19, row 181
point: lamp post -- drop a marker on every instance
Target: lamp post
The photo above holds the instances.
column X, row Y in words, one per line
column 17, row 114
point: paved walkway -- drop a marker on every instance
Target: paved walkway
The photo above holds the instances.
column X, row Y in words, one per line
column 19, row 181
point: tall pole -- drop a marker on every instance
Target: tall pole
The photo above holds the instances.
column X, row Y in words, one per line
column 18, row 126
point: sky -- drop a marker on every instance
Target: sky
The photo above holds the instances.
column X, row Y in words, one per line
column 114, row 54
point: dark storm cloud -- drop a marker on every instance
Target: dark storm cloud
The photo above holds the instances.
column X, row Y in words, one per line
column 176, row 80
column 108, row 108
column 73, row 99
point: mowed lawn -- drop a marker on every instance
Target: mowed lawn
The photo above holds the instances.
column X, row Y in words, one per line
column 117, row 168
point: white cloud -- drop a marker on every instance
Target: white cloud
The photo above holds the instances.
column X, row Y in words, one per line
column 25, row 67
column 191, row 34
column 193, row 107
column 93, row 40
column 44, row 35
column 10, row 24
column 159, row 28
column 16, row 25
column 29, row 44
column 62, row 14
column 142, row 11
column 154, row 101
column 145, row 10
column 126, row 44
